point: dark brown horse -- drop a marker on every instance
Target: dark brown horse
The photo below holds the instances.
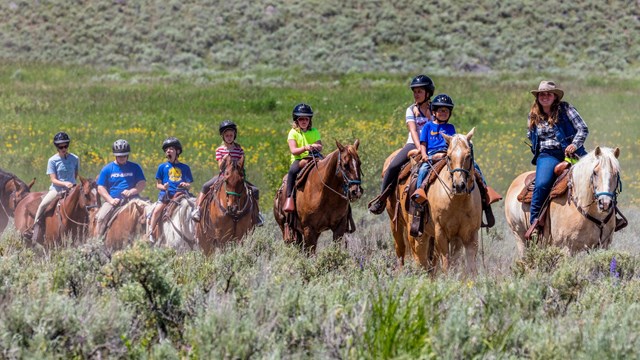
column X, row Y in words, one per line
column 12, row 191
column 323, row 200
column 229, row 208
column 67, row 215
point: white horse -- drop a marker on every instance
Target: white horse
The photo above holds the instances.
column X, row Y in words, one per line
column 584, row 217
column 179, row 231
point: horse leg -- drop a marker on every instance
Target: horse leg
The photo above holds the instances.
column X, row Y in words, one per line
column 310, row 240
column 442, row 248
column 471, row 251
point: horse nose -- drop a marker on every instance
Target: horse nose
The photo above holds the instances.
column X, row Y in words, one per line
column 604, row 203
column 356, row 192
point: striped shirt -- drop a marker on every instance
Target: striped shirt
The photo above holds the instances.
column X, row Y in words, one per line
column 236, row 152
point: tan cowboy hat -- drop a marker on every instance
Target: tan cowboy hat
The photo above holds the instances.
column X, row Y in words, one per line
column 548, row 86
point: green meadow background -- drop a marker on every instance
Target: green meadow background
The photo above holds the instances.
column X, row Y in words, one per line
column 145, row 70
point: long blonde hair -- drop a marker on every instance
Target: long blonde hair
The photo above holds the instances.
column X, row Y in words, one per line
column 538, row 116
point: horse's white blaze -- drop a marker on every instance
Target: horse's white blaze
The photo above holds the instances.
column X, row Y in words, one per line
column 355, row 167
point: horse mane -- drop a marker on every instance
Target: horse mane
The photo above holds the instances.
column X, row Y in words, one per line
column 583, row 170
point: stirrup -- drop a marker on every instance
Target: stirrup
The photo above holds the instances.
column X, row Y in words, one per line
column 621, row 220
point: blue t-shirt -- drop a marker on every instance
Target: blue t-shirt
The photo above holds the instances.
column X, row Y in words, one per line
column 173, row 174
column 65, row 169
column 431, row 136
column 116, row 178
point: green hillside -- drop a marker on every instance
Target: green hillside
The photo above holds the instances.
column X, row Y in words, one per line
column 327, row 35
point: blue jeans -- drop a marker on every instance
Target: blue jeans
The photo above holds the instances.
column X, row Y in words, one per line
column 545, row 178
column 422, row 173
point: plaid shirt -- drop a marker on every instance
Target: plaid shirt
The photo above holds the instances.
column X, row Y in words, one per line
column 547, row 134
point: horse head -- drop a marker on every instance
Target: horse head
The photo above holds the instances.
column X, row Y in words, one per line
column 232, row 173
column 596, row 178
column 349, row 167
column 460, row 162
column 18, row 190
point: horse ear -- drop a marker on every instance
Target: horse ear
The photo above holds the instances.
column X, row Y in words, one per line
column 356, row 144
column 447, row 138
column 616, row 152
column 339, row 145
column 470, row 134
column 597, row 151
column 31, row 183
column 241, row 162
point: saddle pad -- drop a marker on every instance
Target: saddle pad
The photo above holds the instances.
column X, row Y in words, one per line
column 405, row 170
column 560, row 187
column 304, row 173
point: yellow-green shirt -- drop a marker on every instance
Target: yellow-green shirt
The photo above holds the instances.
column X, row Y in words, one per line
column 302, row 139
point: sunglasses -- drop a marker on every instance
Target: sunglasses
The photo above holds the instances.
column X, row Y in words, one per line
column 62, row 146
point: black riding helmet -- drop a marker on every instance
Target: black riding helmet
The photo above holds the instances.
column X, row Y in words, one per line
column 172, row 141
column 441, row 100
column 226, row 125
column 423, row 81
column 61, row 138
column 301, row 110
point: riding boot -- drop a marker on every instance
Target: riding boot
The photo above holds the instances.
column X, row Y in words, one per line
column 419, row 196
column 377, row 205
column 417, row 224
column 289, row 205
column 492, row 195
column 37, row 231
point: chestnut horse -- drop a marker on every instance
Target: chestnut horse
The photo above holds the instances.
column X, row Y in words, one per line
column 454, row 212
column 584, row 217
column 12, row 191
column 323, row 201
column 229, row 209
column 70, row 216
column 125, row 224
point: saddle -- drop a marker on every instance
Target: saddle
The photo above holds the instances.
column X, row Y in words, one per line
column 559, row 188
column 172, row 206
column 307, row 164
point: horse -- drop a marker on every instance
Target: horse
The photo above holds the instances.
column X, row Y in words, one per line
column 453, row 213
column 323, row 200
column 178, row 230
column 12, row 191
column 69, row 216
column 125, row 224
column 583, row 217
column 230, row 210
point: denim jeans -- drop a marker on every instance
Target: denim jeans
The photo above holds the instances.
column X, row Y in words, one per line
column 545, row 178
column 422, row 173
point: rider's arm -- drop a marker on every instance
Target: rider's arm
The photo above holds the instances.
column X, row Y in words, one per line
column 56, row 182
column 139, row 187
column 295, row 150
column 411, row 125
column 317, row 146
column 160, row 185
column 105, row 195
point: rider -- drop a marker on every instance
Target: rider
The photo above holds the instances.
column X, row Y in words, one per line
column 556, row 131
column 432, row 144
column 304, row 140
column 228, row 132
column 118, row 181
column 62, row 169
column 172, row 177
column 417, row 115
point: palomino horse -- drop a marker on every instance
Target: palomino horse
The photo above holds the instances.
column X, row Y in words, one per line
column 582, row 218
column 12, row 191
column 125, row 224
column 70, row 216
column 454, row 212
column 178, row 230
column 229, row 208
column 323, row 201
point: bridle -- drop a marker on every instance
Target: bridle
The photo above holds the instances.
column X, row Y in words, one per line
column 347, row 182
column 466, row 172
column 248, row 204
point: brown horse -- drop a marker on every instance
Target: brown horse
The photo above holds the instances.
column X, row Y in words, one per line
column 12, row 191
column 454, row 212
column 229, row 208
column 323, row 200
column 127, row 222
column 69, row 216
column 582, row 218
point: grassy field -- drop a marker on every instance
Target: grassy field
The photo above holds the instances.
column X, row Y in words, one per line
column 263, row 299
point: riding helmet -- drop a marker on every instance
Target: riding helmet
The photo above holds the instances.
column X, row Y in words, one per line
column 425, row 82
column 302, row 110
column 226, row 125
column 61, row 138
column 172, row 141
column 441, row 100
column 121, row 147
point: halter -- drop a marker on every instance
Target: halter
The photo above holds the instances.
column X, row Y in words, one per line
column 612, row 210
column 347, row 182
column 467, row 172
